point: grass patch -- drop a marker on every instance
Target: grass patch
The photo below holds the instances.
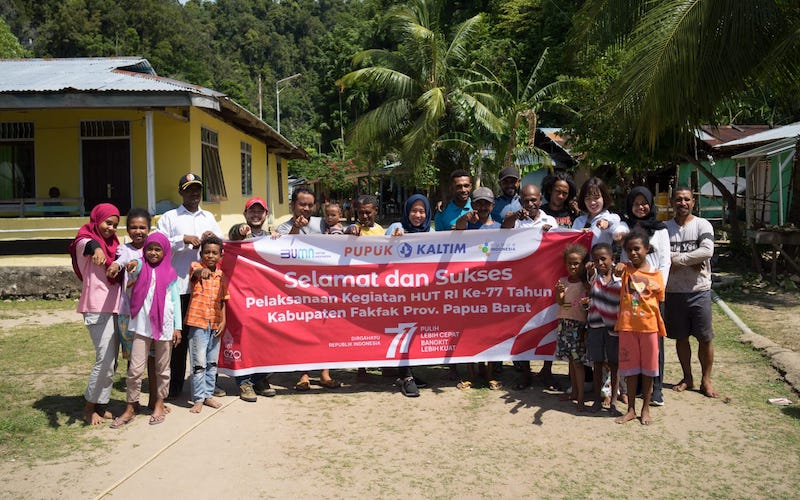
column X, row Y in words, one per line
column 749, row 378
column 43, row 373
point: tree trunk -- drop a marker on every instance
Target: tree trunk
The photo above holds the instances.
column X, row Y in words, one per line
column 730, row 199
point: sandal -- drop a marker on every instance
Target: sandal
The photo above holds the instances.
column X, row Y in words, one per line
column 157, row 419
column 330, row 384
column 302, row 386
column 464, row 385
column 120, row 422
column 494, row 385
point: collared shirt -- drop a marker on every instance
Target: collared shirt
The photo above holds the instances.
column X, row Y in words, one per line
column 542, row 220
column 175, row 224
column 445, row 220
column 503, row 204
column 208, row 295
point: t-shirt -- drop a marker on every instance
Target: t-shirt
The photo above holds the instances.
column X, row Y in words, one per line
column 659, row 256
column 375, row 230
column 604, row 304
column 490, row 224
column 572, row 308
column 314, row 226
column 445, row 220
column 641, row 293
column 503, row 204
column 691, row 244
column 97, row 294
column 563, row 216
column 125, row 254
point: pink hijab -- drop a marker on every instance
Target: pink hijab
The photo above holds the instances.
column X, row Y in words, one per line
column 91, row 230
column 164, row 274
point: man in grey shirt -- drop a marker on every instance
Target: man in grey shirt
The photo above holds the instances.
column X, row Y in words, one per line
column 688, row 298
column 302, row 222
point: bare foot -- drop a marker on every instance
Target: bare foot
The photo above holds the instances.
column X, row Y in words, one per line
column 630, row 415
column 581, row 406
column 708, row 390
column 683, row 385
column 623, row 398
column 213, row 403
column 597, row 406
column 646, row 418
column 90, row 416
column 196, row 408
column 568, row 397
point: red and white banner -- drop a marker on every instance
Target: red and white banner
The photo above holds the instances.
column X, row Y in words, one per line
column 322, row 301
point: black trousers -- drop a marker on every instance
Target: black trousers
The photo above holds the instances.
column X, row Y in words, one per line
column 177, row 364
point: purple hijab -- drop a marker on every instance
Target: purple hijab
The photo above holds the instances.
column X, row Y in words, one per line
column 165, row 275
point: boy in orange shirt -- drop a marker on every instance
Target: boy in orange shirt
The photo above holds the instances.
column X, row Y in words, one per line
column 205, row 318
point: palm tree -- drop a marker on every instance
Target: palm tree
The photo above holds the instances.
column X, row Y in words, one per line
column 421, row 87
column 686, row 57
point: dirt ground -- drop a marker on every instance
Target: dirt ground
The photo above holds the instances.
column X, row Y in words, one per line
column 367, row 440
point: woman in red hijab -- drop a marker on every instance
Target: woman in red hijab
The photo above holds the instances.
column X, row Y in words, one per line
column 92, row 251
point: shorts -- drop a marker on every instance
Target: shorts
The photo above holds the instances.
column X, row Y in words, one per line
column 602, row 346
column 638, row 353
column 570, row 344
column 689, row 314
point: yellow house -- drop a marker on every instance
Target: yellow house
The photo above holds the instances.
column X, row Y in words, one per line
column 111, row 130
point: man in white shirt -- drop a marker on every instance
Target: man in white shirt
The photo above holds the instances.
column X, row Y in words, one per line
column 529, row 215
column 185, row 226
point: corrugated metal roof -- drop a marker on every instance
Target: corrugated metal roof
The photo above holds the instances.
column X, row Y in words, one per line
column 715, row 135
column 791, row 130
column 770, row 149
column 123, row 74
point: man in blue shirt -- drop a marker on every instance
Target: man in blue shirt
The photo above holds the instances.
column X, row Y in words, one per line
column 459, row 205
column 508, row 201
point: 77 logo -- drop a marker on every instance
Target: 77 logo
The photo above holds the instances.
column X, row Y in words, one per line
column 403, row 334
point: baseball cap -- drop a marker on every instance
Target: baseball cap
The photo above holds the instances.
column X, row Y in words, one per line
column 255, row 200
column 509, row 172
column 189, row 179
column 483, row 193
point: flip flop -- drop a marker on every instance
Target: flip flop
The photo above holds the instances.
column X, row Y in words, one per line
column 302, row 386
column 464, row 385
column 157, row 419
column 120, row 422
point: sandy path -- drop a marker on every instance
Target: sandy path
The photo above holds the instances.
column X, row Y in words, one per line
column 373, row 442
column 369, row 441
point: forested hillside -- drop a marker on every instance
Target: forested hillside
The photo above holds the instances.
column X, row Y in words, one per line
column 453, row 78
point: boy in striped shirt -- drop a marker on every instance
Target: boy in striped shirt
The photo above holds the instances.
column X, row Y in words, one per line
column 602, row 342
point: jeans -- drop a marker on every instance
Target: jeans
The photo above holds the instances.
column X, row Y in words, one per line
column 204, row 354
